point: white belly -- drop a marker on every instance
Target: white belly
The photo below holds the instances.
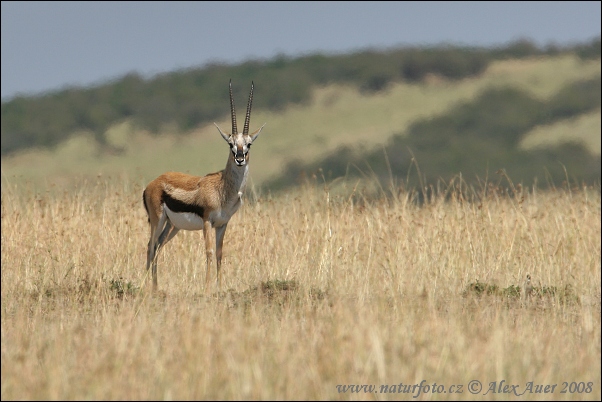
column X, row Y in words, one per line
column 184, row 220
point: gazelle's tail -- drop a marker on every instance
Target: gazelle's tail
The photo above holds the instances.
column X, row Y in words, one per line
column 145, row 206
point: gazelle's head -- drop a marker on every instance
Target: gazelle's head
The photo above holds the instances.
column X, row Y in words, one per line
column 240, row 143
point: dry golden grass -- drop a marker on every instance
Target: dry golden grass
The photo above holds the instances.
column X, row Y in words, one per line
column 318, row 291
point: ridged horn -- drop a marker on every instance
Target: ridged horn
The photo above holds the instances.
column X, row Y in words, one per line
column 233, row 112
column 248, row 117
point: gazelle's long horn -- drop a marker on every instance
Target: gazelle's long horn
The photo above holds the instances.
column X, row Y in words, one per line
column 233, row 111
column 248, row 117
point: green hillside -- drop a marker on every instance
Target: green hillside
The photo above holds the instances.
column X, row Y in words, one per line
column 305, row 133
column 474, row 138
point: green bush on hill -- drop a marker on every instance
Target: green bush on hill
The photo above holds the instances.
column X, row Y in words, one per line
column 196, row 96
column 475, row 139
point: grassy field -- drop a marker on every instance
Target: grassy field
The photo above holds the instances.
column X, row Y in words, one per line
column 337, row 115
column 319, row 292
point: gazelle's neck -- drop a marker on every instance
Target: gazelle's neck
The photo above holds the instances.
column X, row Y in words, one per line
column 234, row 178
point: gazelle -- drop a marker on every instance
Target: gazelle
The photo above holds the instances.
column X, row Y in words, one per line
column 178, row 201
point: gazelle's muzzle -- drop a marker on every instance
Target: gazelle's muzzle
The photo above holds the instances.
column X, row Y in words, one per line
column 240, row 157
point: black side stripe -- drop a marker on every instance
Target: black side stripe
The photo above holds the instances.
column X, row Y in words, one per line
column 179, row 206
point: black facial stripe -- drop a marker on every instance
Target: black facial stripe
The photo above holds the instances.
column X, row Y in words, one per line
column 239, row 153
column 180, row 206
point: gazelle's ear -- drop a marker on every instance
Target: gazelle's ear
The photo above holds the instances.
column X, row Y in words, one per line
column 224, row 136
column 255, row 133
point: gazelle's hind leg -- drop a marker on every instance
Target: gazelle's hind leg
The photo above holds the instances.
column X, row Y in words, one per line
column 152, row 242
column 168, row 233
column 162, row 234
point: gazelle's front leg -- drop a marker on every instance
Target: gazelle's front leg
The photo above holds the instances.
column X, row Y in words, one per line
column 208, row 251
column 219, row 242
